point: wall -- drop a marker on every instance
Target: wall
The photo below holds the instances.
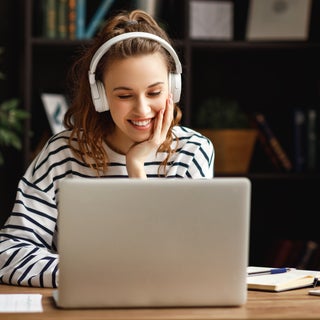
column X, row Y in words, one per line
column 10, row 38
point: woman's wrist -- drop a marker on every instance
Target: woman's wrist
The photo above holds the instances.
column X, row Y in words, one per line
column 136, row 169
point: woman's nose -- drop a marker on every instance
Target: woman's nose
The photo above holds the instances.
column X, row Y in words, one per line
column 142, row 104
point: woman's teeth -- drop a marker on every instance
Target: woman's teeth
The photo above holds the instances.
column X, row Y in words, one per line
column 141, row 123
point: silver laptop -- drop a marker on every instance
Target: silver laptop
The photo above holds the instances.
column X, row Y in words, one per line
column 153, row 242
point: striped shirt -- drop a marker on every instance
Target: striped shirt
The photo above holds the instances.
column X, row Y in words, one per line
column 28, row 240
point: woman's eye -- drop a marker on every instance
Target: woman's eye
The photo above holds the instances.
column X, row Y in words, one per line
column 124, row 96
column 155, row 93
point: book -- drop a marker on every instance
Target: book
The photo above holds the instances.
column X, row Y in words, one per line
column 305, row 128
column 274, row 149
column 292, row 279
column 312, row 139
column 314, row 262
column 310, row 247
column 299, row 139
column 62, row 19
column 281, row 252
column 296, row 253
column 49, row 19
column 72, row 19
column 97, row 18
column 81, row 7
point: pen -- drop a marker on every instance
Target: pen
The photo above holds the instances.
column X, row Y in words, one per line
column 271, row 271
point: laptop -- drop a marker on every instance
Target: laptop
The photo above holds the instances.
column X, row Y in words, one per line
column 127, row 243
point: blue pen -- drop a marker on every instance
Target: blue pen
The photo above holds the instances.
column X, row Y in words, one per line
column 271, row 271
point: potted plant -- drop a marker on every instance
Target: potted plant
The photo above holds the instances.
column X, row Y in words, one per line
column 229, row 129
column 11, row 126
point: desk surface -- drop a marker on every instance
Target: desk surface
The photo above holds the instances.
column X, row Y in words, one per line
column 295, row 304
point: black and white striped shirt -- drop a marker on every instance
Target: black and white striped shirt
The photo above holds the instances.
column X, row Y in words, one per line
column 28, row 240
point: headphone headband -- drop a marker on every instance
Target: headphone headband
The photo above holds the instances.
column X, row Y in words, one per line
column 129, row 35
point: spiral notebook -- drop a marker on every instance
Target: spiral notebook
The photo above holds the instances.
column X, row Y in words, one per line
column 153, row 242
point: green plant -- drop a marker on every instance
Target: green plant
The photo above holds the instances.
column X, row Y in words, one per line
column 11, row 123
column 221, row 113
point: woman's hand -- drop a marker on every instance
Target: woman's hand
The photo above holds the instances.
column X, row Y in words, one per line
column 137, row 154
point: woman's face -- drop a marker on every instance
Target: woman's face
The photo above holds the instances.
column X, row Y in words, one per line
column 137, row 89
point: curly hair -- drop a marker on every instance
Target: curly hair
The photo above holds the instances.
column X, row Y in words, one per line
column 90, row 128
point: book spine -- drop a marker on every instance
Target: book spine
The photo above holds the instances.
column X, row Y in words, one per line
column 62, row 19
column 299, row 150
column 311, row 247
column 311, row 140
column 72, row 19
column 81, row 18
column 49, row 19
column 97, row 18
column 282, row 253
column 274, row 143
column 296, row 253
column 314, row 262
column 268, row 151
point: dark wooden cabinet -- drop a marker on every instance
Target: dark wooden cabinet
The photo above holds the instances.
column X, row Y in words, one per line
column 271, row 77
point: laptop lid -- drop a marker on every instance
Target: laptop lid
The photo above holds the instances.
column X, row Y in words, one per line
column 153, row 242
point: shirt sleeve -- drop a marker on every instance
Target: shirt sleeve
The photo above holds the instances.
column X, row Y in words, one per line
column 202, row 163
column 28, row 253
column 194, row 157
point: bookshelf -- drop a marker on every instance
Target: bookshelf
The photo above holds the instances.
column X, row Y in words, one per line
column 269, row 77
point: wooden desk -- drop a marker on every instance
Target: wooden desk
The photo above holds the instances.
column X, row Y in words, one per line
column 296, row 304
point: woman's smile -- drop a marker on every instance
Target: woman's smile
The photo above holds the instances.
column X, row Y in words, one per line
column 142, row 124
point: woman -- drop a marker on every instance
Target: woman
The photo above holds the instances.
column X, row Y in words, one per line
column 123, row 122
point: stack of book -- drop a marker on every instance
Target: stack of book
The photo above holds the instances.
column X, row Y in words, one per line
column 295, row 253
column 305, row 125
column 66, row 19
column 304, row 149
column 271, row 144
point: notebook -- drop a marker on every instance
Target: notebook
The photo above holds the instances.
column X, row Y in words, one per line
column 271, row 279
column 153, row 242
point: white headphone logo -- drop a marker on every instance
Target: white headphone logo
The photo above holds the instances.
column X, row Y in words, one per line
column 98, row 93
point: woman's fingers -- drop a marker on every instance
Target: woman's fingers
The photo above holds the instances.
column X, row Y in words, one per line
column 168, row 116
column 163, row 122
column 138, row 152
column 158, row 124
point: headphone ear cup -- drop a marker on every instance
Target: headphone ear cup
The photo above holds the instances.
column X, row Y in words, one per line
column 175, row 86
column 99, row 97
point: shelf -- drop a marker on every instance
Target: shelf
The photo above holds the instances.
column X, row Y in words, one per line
column 289, row 177
column 246, row 45
column 57, row 42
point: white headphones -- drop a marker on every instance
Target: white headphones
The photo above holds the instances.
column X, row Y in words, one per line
column 98, row 93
